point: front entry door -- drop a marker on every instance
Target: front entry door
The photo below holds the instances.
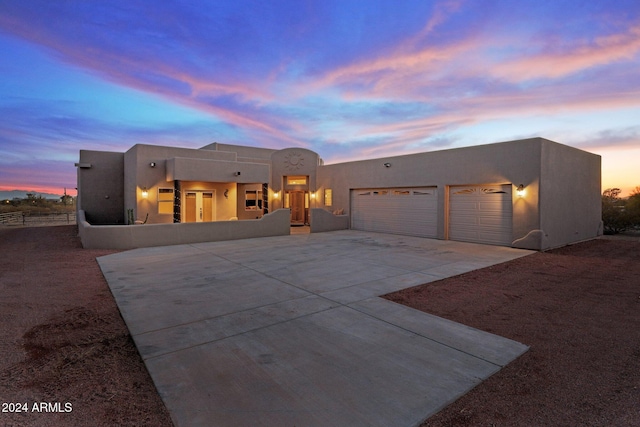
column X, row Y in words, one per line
column 199, row 206
column 297, row 207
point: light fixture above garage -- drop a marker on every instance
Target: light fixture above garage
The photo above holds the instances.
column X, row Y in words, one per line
column 520, row 190
column 145, row 192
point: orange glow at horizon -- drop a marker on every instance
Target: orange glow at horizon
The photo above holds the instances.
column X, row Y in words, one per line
column 39, row 189
column 620, row 170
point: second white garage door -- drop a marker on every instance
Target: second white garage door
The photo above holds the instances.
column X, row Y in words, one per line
column 407, row 211
column 481, row 214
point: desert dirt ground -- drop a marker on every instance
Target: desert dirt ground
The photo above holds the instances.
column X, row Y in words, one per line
column 66, row 353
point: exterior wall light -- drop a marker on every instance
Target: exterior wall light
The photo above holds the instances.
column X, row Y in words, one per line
column 520, row 190
column 152, row 164
column 145, row 192
column 313, row 195
column 387, row 165
column 276, row 194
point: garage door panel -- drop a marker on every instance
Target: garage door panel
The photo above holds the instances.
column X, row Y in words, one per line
column 481, row 214
column 468, row 205
column 491, row 222
column 491, row 206
column 398, row 211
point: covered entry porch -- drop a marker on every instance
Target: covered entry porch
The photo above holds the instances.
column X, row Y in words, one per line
column 198, row 201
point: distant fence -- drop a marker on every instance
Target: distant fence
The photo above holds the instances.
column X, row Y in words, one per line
column 37, row 219
column 11, row 218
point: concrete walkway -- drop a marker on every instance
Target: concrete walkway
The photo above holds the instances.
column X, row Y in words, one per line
column 288, row 331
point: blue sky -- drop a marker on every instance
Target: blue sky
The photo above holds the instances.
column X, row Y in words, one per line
column 347, row 79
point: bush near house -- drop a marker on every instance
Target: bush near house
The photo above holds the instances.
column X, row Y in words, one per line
column 619, row 214
column 633, row 207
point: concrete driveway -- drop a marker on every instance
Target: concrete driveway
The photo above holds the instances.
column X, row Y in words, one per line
column 289, row 331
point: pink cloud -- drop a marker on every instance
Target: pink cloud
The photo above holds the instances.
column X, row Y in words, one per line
column 388, row 73
column 604, row 50
column 32, row 177
column 131, row 71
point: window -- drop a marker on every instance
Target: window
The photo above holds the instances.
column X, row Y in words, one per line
column 165, row 201
column 252, row 200
column 328, row 197
column 296, row 180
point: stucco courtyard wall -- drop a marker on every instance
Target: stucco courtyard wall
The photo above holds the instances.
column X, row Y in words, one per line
column 148, row 235
column 323, row 220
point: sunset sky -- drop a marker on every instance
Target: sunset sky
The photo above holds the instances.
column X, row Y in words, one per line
column 347, row 79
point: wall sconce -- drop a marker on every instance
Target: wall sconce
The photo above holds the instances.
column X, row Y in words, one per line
column 145, row 193
column 226, row 193
column 237, row 173
column 520, row 190
column 313, row 195
column 387, row 165
column 276, row 194
column 152, row 164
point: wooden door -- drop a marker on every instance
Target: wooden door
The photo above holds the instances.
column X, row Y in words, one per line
column 199, row 206
column 207, row 207
column 297, row 207
column 190, row 208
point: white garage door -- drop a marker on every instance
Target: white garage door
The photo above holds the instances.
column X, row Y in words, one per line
column 481, row 214
column 408, row 211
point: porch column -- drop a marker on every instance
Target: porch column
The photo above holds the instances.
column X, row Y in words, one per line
column 265, row 198
column 177, row 200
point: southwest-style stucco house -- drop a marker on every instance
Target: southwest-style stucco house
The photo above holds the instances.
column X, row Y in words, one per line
column 532, row 194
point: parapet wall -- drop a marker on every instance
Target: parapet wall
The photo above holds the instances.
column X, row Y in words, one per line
column 276, row 223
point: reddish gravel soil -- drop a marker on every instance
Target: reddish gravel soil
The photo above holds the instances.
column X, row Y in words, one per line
column 63, row 343
column 577, row 308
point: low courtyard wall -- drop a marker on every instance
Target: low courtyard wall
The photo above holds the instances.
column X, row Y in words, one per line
column 276, row 223
column 323, row 220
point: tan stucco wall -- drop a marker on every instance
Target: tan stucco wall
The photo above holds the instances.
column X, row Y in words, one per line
column 292, row 162
column 570, row 200
column 244, row 153
column 512, row 162
column 323, row 220
column 141, row 236
column 101, row 186
column 185, row 169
